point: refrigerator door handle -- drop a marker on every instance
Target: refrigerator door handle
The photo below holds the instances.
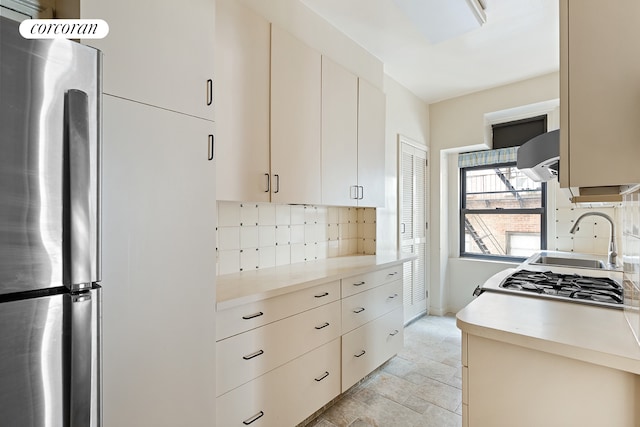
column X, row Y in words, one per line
column 79, row 333
column 77, row 192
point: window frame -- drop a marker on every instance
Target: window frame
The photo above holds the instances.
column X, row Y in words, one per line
column 542, row 211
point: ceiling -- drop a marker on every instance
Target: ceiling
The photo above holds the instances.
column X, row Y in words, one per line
column 518, row 41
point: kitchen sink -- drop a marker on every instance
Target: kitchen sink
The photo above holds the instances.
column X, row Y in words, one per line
column 569, row 262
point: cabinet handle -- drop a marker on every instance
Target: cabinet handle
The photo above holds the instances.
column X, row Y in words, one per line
column 209, row 91
column 252, row 355
column 394, row 333
column 353, row 192
column 404, row 228
column 392, row 274
column 362, row 352
column 277, row 183
column 254, row 418
column 322, row 295
column 252, row 316
column 268, row 183
column 323, row 326
column 361, row 192
column 323, row 376
column 359, row 284
column 393, row 296
column 358, row 310
column 211, row 147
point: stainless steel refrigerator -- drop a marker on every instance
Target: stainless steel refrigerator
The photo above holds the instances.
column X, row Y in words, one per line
column 49, row 232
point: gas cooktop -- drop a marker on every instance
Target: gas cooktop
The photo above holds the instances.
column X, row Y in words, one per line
column 574, row 287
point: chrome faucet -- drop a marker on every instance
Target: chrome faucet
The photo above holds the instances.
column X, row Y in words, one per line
column 612, row 254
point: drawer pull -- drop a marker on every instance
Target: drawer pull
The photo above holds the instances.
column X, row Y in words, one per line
column 252, row 355
column 394, row 333
column 322, row 295
column 254, row 418
column 253, row 316
column 392, row 274
column 358, row 310
column 362, row 352
column 323, row 326
column 323, row 376
column 359, row 284
column 393, row 296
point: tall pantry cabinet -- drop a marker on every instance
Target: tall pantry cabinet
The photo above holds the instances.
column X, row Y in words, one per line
column 158, row 212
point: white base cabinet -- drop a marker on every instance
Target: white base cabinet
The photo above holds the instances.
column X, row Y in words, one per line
column 506, row 385
column 281, row 359
column 369, row 346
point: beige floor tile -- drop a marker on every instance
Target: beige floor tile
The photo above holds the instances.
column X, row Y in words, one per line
column 420, row 387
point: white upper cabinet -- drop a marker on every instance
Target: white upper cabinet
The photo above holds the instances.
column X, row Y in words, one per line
column 242, row 103
column 371, row 138
column 599, row 87
column 339, row 135
column 295, row 120
column 158, row 53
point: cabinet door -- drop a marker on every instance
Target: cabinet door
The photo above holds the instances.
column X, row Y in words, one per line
column 158, row 267
column 371, row 136
column 242, row 103
column 600, row 66
column 339, row 135
column 295, row 120
column 158, row 53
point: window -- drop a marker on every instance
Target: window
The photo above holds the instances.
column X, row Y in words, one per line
column 502, row 212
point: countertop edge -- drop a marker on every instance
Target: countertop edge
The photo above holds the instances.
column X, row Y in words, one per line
column 582, row 354
column 540, row 324
column 331, row 269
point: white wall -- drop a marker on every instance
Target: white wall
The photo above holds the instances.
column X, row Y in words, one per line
column 407, row 115
column 457, row 125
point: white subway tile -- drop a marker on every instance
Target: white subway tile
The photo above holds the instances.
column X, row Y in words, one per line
column 333, row 215
column 249, row 237
column 310, row 215
column 283, row 255
column 310, row 234
column 267, row 256
column 283, row 215
column 248, row 214
column 283, row 235
column 333, row 231
column 228, row 261
column 297, row 253
column 309, row 251
column 267, row 235
column 228, row 238
column 228, row 214
column 249, row 259
column 266, row 214
column 297, row 215
column 297, row 234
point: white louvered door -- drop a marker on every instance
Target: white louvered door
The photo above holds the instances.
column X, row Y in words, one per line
column 412, row 228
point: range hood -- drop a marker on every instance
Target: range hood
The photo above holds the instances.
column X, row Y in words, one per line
column 539, row 157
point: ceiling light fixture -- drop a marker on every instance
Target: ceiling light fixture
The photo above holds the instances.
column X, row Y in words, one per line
column 440, row 20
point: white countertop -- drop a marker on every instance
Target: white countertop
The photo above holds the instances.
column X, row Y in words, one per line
column 591, row 334
column 250, row 286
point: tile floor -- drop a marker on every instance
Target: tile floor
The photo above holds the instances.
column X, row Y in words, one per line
column 419, row 387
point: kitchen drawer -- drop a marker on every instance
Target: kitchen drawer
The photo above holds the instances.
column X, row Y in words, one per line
column 287, row 395
column 361, row 308
column 361, row 282
column 246, row 356
column 370, row 345
column 249, row 316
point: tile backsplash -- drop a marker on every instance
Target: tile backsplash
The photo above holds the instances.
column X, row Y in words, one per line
column 593, row 235
column 631, row 258
column 260, row 235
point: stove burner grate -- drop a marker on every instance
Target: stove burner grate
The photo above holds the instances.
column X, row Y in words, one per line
column 569, row 286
